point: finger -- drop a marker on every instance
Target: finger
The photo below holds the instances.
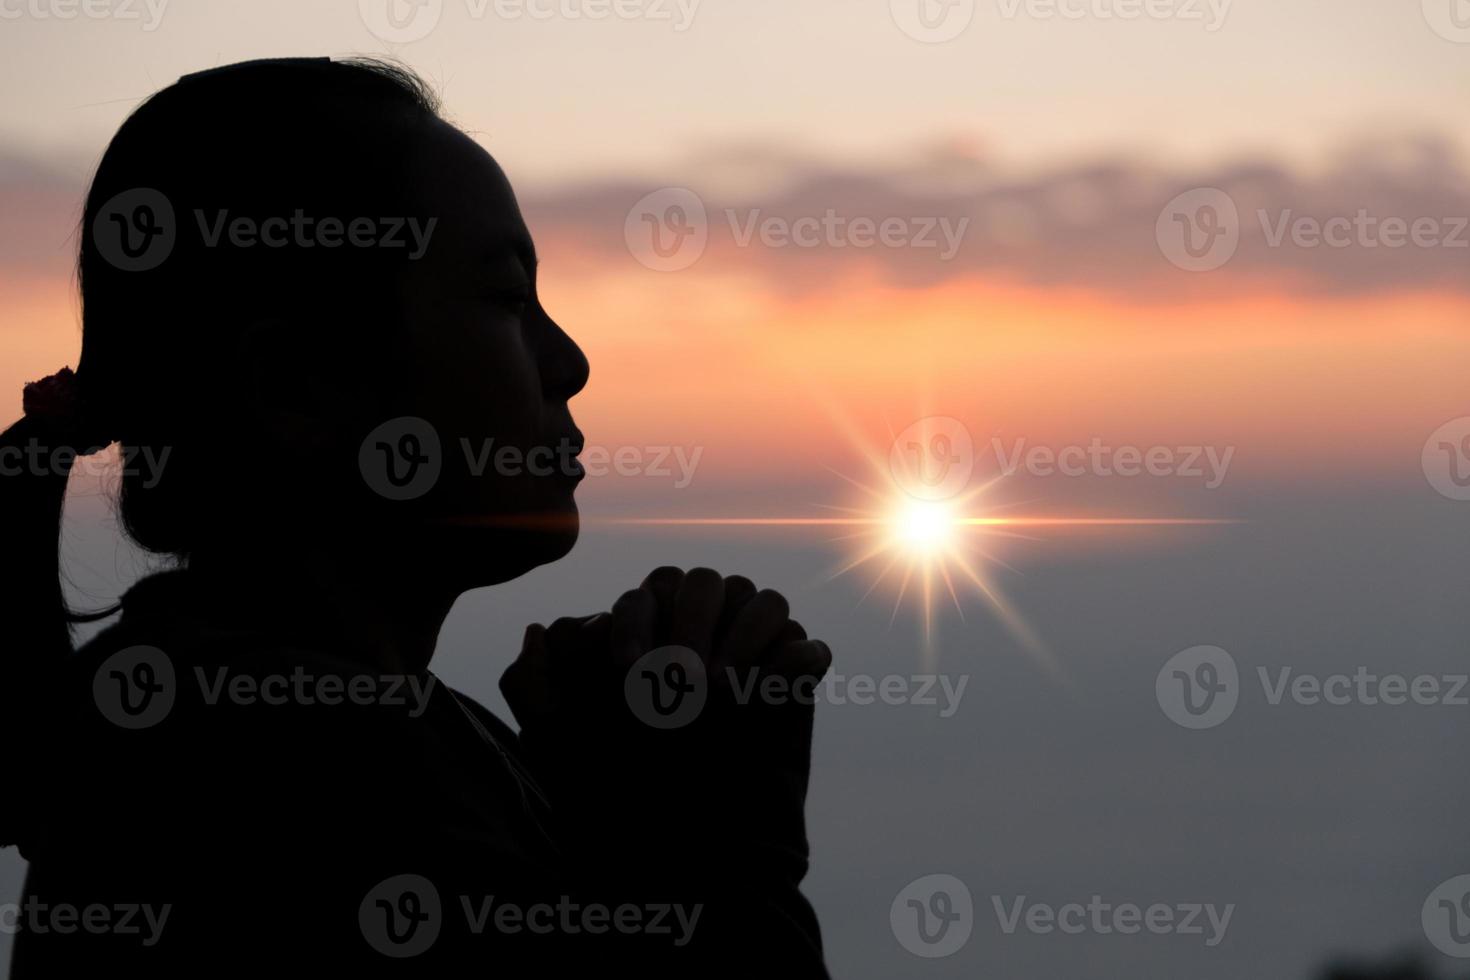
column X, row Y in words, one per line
column 802, row 665
column 792, row 632
column 697, row 608
column 755, row 626
column 564, row 634
column 596, row 630
column 631, row 630
column 578, row 651
column 526, row 684
column 800, row 660
column 738, row 591
column 665, row 578
column 664, row 583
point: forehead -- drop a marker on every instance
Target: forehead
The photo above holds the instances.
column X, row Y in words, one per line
column 462, row 186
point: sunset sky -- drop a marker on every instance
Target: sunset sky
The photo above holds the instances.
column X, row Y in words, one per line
column 1057, row 317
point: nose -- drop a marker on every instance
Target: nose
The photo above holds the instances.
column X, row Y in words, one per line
column 564, row 368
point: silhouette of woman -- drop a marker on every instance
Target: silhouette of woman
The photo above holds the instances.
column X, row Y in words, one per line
column 302, row 292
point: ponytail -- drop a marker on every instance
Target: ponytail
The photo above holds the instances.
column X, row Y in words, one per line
column 36, row 454
column 222, row 133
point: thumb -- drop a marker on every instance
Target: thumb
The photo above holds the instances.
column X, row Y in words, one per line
column 526, row 684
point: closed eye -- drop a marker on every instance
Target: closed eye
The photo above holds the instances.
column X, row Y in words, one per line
column 513, row 299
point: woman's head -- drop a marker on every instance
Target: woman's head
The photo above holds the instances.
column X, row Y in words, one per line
column 318, row 299
column 312, row 304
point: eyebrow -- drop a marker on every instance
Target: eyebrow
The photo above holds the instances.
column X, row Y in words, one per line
column 521, row 247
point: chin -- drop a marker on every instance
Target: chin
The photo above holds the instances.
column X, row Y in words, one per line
column 475, row 551
column 531, row 542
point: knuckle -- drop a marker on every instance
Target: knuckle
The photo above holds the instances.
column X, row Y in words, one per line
column 773, row 602
column 633, row 600
column 739, row 583
column 824, row 656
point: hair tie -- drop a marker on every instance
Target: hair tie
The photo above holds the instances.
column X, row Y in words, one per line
column 56, row 402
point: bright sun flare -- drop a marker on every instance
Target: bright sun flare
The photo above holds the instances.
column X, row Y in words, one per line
column 924, row 548
column 924, row 527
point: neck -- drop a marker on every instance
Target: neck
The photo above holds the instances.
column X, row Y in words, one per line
column 359, row 606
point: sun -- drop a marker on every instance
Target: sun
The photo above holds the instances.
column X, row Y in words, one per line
column 927, row 549
column 924, row 528
column 928, row 529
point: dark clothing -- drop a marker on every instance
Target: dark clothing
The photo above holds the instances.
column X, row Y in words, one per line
column 246, row 834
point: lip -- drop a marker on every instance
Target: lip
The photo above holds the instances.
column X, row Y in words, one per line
column 575, row 442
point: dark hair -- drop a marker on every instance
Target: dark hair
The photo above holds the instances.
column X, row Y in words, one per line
column 253, row 140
